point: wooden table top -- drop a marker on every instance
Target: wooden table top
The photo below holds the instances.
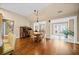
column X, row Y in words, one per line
column 37, row 33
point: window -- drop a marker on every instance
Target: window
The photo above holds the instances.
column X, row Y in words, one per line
column 40, row 26
column 59, row 27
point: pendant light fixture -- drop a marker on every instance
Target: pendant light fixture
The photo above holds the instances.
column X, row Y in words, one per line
column 49, row 21
column 36, row 12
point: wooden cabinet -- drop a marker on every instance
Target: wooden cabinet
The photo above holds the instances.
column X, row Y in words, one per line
column 24, row 32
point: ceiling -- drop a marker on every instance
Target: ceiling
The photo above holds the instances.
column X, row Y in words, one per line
column 60, row 10
column 23, row 8
column 47, row 10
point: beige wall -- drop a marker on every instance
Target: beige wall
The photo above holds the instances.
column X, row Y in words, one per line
column 18, row 20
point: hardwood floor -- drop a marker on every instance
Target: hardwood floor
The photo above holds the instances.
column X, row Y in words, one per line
column 50, row 47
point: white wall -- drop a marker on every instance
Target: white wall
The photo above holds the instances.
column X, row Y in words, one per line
column 18, row 20
column 78, row 28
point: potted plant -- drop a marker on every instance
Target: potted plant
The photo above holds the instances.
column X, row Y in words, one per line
column 71, row 33
column 66, row 33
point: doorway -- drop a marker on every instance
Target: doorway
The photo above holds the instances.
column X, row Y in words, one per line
column 59, row 25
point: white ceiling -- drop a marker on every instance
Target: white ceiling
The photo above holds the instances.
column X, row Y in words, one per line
column 23, row 8
column 67, row 10
column 47, row 9
column 51, row 12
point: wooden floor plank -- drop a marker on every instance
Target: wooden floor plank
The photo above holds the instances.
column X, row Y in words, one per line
column 50, row 47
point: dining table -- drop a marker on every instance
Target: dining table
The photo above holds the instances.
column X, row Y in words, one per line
column 38, row 36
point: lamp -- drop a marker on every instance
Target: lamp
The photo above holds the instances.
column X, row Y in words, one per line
column 36, row 11
column 37, row 20
column 49, row 21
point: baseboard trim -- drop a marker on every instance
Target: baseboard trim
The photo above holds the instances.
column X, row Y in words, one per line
column 77, row 42
column 72, row 42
